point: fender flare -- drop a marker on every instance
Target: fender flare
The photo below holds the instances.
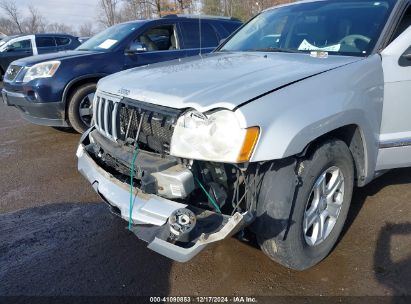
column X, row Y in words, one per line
column 76, row 80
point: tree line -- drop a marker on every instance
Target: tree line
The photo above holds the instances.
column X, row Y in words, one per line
column 16, row 19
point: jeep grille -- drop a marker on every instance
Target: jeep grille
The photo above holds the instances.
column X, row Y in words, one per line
column 119, row 120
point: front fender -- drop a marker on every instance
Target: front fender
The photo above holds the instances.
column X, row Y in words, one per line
column 296, row 115
column 78, row 79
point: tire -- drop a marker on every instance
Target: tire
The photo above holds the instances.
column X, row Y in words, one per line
column 284, row 238
column 75, row 102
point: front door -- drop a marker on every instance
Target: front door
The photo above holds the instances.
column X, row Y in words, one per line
column 161, row 43
column 395, row 134
column 19, row 48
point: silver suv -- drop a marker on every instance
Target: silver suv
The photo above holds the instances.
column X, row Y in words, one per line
column 272, row 131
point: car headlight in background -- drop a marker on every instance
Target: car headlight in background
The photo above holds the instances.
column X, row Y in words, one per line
column 215, row 137
column 41, row 70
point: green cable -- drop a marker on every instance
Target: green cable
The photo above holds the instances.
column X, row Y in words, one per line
column 136, row 150
column 208, row 195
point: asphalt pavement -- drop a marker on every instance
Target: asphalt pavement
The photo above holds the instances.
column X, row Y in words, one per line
column 58, row 238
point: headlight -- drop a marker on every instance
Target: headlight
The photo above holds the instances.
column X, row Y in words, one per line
column 41, row 70
column 216, row 137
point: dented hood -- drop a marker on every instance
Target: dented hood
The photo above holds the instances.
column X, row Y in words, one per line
column 218, row 80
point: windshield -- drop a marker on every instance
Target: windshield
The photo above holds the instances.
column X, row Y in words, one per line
column 337, row 27
column 109, row 38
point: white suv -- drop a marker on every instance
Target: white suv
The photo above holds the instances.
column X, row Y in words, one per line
column 273, row 131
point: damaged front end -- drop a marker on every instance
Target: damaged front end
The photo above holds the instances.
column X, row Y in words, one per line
column 177, row 205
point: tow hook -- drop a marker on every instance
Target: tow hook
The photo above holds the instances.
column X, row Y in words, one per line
column 231, row 225
column 181, row 222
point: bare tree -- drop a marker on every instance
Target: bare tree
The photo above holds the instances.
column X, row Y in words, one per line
column 109, row 9
column 13, row 13
column 144, row 9
column 136, row 9
column 7, row 27
column 212, row 7
column 114, row 11
column 35, row 22
column 56, row 27
column 86, row 30
column 244, row 9
column 158, row 5
column 184, row 5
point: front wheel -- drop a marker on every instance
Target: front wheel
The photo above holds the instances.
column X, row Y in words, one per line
column 320, row 206
column 80, row 107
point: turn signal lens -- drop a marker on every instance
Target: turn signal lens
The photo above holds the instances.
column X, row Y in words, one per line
column 251, row 138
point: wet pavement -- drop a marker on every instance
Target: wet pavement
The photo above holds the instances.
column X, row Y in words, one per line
column 58, row 238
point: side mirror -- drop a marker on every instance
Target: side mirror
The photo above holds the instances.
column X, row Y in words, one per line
column 136, row 47
column 10, row 49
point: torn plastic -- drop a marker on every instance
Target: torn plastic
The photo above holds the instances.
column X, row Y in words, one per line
column 151, row 214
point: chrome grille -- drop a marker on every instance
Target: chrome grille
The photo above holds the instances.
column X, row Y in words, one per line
column 156, row 129
column 12, row 72
column 119, row 121
column 105, row 115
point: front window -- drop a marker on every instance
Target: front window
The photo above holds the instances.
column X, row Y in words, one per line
column 5, row 40
column 21, row 45
column 109, row 38
column 8, row 44
column 160, row 38
column 337, row 27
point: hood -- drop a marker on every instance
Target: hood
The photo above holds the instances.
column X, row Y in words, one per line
column 61, row 56
column 218, row 80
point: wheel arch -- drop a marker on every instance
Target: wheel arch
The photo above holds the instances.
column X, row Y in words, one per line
column 353, row 137
column 77, row 82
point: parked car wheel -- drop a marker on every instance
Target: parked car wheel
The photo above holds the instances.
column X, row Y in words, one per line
column 80, row 107
column 321, row 203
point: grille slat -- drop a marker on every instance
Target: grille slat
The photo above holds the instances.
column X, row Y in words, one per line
column 95, row 105
column 119, row 121
column 99, row 114
column 102, row 119
column 106, row 118
column 114, row 121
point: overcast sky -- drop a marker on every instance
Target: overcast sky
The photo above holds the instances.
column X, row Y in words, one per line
column 71, row 12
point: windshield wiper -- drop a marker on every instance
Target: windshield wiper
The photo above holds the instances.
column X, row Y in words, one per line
column 272, row 49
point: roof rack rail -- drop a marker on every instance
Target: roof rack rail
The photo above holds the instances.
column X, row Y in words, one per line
column 200, row 16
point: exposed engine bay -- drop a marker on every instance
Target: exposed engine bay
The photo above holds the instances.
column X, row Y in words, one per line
column 149, row 128
column 225, row 188
column 220, row 198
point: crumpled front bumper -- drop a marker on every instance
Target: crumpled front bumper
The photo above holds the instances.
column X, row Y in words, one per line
column 150, row 213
